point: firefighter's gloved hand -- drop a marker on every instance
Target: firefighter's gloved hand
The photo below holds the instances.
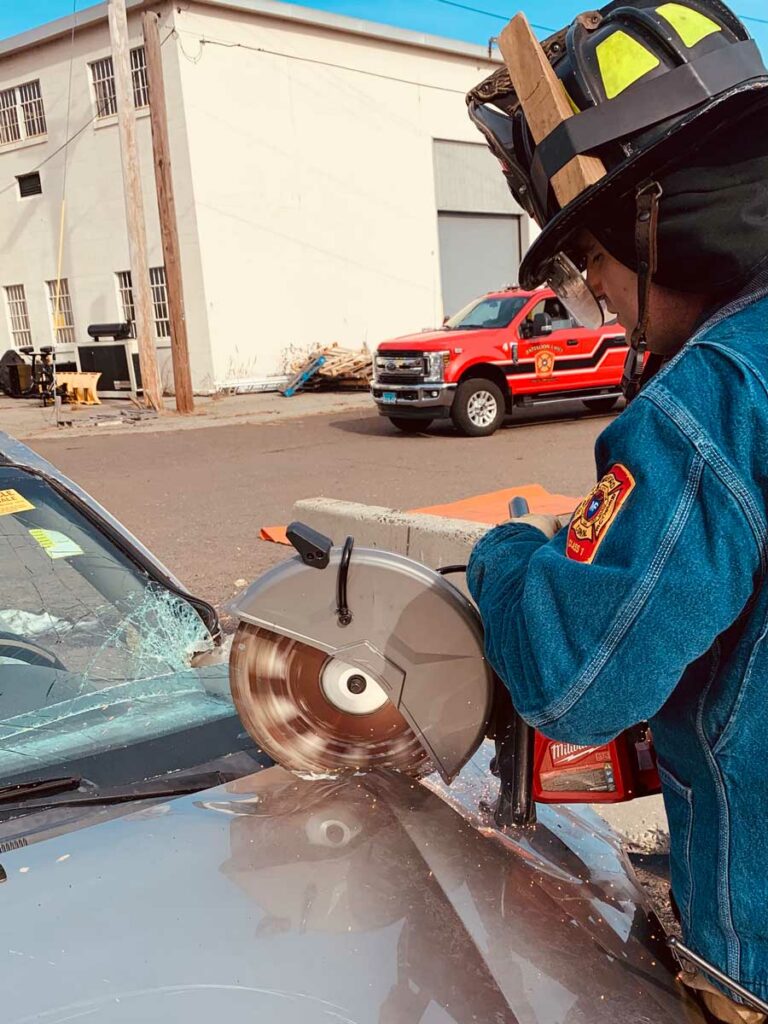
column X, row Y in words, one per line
column 549, row 525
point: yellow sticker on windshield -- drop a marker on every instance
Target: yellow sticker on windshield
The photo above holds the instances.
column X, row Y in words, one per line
column 55, row 544
column 11, row 501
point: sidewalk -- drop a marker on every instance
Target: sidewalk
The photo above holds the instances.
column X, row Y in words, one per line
column 26, row 419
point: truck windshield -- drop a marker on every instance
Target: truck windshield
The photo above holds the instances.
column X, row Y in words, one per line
column 98, row 660
column 486, row 314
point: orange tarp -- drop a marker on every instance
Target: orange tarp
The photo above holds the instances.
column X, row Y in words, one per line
column 274, row 533
column 489, row 508
column 494, row 507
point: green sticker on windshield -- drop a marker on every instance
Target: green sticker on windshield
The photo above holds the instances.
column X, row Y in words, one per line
column 55, row 544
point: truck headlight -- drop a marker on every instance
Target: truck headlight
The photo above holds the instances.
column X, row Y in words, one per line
column 435, row 364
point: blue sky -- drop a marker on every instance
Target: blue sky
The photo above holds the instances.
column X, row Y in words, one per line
column 439, row 17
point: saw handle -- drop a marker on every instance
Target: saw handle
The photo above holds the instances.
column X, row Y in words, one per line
column 514, row 749
column 343, row 614
column 314, row 548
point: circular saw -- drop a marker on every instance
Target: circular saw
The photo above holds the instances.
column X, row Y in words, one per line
column 353, row 658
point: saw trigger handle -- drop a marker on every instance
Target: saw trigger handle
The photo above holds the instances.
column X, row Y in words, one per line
column 314, row 548
column 518, row 507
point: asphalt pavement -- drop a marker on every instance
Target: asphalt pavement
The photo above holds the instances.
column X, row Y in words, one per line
column 197, row 498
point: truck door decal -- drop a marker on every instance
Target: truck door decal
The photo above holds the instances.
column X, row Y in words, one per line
column 565, row 362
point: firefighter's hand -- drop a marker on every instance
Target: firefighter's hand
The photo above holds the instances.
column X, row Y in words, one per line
column 549, row 525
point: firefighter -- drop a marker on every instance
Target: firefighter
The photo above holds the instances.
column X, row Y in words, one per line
column 651, row 604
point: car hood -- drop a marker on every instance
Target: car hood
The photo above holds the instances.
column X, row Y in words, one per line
column 434, row 341
column 369, row 899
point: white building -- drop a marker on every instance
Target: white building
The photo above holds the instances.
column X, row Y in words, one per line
column 329, row 184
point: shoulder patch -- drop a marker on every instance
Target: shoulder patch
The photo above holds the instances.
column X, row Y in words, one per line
column 594, row 515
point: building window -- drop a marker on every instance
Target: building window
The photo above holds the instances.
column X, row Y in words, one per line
column 61, row 311
column 160, row 302
column 9, row 117
column 139, row 78
column 22, row 115
column 32, row 110
column 18, row 315
column 125, row 292
column 29, row 184
column 103, row 78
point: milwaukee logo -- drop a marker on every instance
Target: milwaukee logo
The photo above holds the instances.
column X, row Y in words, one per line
column 567, row 753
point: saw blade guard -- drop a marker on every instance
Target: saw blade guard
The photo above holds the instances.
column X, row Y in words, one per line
column 400, row 682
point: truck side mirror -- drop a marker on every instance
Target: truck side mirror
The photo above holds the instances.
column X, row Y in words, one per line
column 525, row 330
column 542, row 324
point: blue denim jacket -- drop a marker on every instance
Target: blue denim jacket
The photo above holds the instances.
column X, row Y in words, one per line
column 653, row 605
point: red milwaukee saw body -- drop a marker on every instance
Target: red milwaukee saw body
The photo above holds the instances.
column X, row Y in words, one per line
column 623, row 769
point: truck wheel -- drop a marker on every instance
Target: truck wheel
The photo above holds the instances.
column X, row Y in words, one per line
column 600, row 404
column 409, row 424
column 478, row 407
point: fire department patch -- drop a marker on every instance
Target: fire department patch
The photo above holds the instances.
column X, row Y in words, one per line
column 596, row 512
column 544, row 363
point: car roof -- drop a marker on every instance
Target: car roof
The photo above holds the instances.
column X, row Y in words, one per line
column 513, row 290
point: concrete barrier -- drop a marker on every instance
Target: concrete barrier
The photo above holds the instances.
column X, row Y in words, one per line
column 432, row 540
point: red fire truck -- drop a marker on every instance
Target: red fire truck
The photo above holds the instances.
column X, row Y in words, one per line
column 506, row 349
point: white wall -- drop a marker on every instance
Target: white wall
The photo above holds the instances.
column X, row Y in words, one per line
column 95, row 242
column 314, row 184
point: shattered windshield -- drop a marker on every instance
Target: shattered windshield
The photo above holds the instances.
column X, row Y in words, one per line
column 95, row 656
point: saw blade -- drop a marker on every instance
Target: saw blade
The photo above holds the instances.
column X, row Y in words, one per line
column 313, row 712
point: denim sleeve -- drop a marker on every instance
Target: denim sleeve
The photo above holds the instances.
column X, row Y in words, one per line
column 588, row 648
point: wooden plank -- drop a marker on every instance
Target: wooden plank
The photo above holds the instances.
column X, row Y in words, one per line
column 544, row 104
column 166, row 205
column 134, row 206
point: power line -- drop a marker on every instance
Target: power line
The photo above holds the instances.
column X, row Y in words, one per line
column 53, row 154
column 548, row 28
column 66, row 142
column 205, row 41
column 491, row 14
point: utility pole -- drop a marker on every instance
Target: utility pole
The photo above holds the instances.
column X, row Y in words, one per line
column 134, row 205
column 166, row 205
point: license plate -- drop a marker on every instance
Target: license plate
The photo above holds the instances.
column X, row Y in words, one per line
column 389, row 397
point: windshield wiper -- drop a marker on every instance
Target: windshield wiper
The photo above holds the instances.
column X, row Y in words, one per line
column 149, row 789
column 33, row 788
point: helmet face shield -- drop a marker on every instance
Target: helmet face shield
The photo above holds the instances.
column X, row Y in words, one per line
column 570, row 286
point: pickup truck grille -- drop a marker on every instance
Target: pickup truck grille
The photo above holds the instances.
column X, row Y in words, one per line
column 399, row 367
column 400, row 378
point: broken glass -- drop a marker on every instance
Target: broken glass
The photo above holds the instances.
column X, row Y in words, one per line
column 95, row 654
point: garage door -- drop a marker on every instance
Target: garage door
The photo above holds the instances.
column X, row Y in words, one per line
column 482, row 231
column 477, row 254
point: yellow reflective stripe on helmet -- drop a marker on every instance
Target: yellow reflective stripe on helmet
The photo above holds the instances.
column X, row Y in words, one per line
column 690, row 25
column 570, row 99
column 622, row 61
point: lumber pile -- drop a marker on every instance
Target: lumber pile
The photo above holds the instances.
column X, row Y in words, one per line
column 341, row 369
